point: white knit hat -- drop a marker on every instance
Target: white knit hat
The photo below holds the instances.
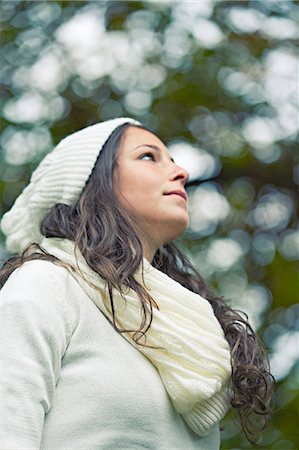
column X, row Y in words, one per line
column 59, row 178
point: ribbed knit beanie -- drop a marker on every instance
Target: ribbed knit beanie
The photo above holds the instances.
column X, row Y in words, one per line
column 60, row 178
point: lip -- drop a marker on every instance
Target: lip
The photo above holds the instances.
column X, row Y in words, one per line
column 180, row 193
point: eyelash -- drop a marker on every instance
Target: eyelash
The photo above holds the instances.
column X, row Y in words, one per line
column 148, row 154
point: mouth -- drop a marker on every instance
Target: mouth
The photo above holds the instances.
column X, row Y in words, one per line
column 179, row 193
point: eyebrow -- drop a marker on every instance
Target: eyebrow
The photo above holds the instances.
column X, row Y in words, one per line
column 152, row 146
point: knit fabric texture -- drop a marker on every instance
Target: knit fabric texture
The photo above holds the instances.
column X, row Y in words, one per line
column 194, row 361
column 60, row 178
column 71, row 382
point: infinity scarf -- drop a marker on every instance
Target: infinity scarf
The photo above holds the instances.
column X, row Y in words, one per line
column 194, row 362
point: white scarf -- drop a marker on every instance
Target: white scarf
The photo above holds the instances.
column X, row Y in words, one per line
column 195, row 367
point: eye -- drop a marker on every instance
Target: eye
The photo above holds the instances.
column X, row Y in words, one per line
column 147, row 155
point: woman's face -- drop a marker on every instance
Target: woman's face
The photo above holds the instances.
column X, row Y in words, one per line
column 150, row 186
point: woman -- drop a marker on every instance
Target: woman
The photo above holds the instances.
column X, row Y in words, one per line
column 111, row 338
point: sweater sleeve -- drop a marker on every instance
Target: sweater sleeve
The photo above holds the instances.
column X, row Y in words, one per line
column 34, row 335
column 204, row 415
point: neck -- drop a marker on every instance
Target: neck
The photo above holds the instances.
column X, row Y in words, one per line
column 149, row 247
column 148, row 251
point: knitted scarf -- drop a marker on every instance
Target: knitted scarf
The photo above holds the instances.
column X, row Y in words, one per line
column 193, row 356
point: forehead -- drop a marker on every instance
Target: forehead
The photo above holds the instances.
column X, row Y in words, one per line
column 136, row 136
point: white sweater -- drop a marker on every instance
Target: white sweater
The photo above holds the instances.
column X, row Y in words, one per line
column 70, row 381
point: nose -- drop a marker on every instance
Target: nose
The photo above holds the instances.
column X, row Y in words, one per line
column 179, row 174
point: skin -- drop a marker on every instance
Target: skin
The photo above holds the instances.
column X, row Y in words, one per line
column 145, row 176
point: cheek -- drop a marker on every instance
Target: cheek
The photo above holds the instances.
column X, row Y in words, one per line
column 137, row 187
column 138, row 201
column 128, row 189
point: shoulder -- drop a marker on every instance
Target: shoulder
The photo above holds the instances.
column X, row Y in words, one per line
column 36, row 275
column 42, row 292
column 39, row 285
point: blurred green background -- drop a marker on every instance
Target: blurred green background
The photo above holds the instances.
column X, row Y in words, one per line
column 218, row 82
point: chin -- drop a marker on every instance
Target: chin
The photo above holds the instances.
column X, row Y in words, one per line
column 183, row 222
column 177, row 229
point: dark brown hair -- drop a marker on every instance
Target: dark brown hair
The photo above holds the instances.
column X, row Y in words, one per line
column 108, row 239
